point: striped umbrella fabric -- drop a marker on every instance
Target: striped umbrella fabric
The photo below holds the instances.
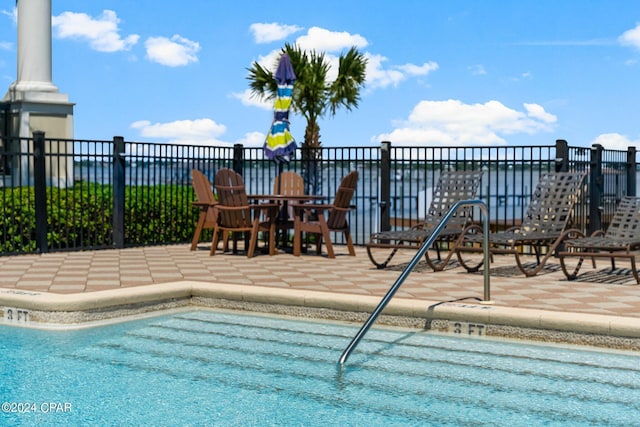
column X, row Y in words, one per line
column 280, row 144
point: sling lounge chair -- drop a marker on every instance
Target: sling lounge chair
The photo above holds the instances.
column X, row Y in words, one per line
column 543, row 226
column 620, row 239
column 451, row 188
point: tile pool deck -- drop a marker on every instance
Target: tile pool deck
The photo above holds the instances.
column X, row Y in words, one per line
column 599, row 302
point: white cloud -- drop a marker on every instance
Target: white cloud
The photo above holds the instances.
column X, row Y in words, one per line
column 454, row 123
column 536, row 111
column 332, row 43
column 477, row 70
column 249, row 100
column 418, row 70
column 380, row 77
column 267, row 33
column 102, row 33
column 13, row 14
column 323, row 40
column 196, row 132
column 615, row 141
column 173, row 52
column 631, row 37
column 252, row 139
column 6, row 46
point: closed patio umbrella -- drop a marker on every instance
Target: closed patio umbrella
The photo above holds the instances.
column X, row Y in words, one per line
column 280, row 144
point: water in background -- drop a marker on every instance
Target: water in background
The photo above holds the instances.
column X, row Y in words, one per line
column 507, row 192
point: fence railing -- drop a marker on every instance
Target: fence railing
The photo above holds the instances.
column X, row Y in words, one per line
column 79, row 194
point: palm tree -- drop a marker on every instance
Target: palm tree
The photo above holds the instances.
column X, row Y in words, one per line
column 314, row 96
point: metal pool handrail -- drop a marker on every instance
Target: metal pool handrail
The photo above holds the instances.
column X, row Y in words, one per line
column 425, row 246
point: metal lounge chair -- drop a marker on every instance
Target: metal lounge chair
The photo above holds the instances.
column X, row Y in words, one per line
column 543, row 226
column 320, row 219
column 451, row 188
column 618, row 241
column 235, row 214
column 205, row 201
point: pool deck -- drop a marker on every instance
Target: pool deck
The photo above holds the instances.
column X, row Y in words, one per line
column 70, row 287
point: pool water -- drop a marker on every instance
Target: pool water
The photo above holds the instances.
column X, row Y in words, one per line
column 219, row 368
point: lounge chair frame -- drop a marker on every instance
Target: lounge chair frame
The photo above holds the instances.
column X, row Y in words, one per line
column 451, row 188
column 543, row 226
column 618, row 241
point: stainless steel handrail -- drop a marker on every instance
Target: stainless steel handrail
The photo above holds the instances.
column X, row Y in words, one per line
column 425, row 246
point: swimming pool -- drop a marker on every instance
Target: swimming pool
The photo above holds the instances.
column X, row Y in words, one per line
column 222, row 368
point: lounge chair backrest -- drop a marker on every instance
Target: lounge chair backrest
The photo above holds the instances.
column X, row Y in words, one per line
column 342, row 201
column 232, row 192
column 625, row 223
column 451, row 188
column 288, row 183
column 552, row 203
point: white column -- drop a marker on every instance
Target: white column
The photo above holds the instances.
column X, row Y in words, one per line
column 34, row 46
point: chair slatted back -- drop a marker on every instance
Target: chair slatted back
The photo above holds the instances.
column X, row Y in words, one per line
column 288, row 183
column 451, row 188
column 625, row 223
column 202, row 187
column 204, row 192
column 552, row 203
column 232, row 192
column 342, row 202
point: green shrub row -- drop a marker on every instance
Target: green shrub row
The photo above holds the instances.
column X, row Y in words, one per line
column 82, row 217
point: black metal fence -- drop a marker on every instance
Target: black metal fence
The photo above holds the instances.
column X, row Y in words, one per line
column 78, row 194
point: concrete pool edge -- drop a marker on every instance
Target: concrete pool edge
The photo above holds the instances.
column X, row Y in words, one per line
column 48, row 310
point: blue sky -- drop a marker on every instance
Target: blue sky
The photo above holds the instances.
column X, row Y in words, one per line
column 458, row 73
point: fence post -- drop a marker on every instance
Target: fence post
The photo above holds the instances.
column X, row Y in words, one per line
column 238, row 160
column 385, row 186
column 562, row 155
column 40, row 191
column 631, row 171
column 596, row 182
column 118, row 191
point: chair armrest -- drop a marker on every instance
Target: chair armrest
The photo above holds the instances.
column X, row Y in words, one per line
column 203, row 205
column 320, row 206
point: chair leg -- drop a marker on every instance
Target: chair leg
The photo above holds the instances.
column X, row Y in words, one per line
column 634, row 270
column 214, row 241
column 272, row 239
column 327, row 241
column 253, row 240
column 196, row 234
column 352, row 250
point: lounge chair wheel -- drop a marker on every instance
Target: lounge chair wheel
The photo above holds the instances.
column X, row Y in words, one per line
column 469, row 251
column 377, row 254
column 570, row 264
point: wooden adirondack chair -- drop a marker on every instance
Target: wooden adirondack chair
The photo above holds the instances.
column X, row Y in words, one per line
column 235, row 214
column 205, row 201
column 288, row 183
column 320, row 219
